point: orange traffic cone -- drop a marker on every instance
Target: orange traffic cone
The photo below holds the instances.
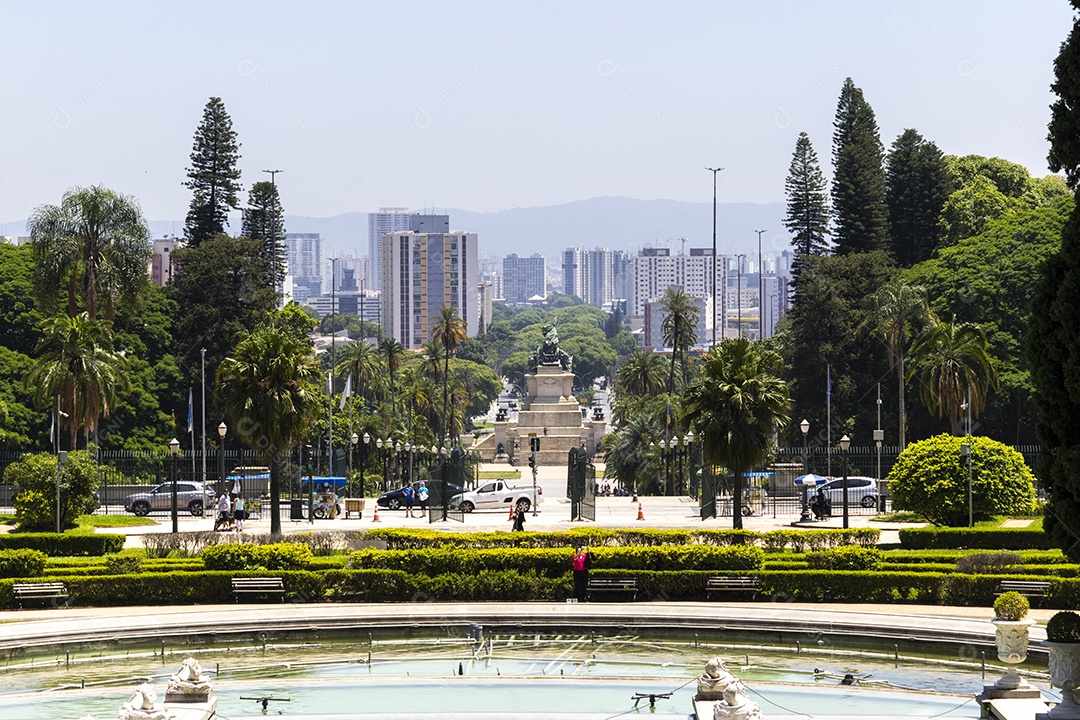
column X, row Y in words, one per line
column 640, row 515
column 375, row 517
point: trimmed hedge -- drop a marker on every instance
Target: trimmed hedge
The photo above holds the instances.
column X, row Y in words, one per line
column 984, row 539
column 54, row 544
column 554, row 562
column 244, row 556
column 180, row 588
column 21, row 563
column 773, row 541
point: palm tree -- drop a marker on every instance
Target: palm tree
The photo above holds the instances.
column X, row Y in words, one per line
column 360, row 361
column 735, row 405
column 269, row 388
column 678, row 328
column 642, row 374
column 449, row 330
column 392, row 354
column 953, row 361
column 890, row 311
column 78, row 368
column 627, row 457
column 95, row 242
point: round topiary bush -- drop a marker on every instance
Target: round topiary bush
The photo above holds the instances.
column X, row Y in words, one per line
column 931, row 478
column 1064, row 627
column 1011, row 606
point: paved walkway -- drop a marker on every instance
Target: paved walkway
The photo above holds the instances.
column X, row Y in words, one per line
column 959, row 629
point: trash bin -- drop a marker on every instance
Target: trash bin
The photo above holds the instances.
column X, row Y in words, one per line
column 296, row 509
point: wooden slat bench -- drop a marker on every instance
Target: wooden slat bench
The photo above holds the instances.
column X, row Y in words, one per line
column 1028, row 588
column 258, row 586
column 612, row 585
column 39, row 591
column 732, row 583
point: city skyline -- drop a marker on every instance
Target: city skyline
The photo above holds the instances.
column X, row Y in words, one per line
column 522, row 104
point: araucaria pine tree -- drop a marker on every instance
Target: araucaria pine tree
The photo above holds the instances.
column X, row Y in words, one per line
column 807, row 216
column 264, row 220
column 860, row 216
column 1053, row 344
column 916, row 187
column 213, row 177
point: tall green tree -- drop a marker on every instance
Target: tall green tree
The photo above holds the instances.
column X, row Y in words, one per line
column 264, row 220
column 891, row 312
column 78, row 372
column 448, row 330
column 223, row 291
column 860, row 214
column 96, row 244
column 953, row 364
column 917, row 184
column 735, row 406
column 270, row 391
column 360, row 361
column 1054, row 345
column 807, row 216
column 679, row 328
column 213, row 178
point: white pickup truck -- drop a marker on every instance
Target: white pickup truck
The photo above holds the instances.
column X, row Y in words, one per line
column 498, row 495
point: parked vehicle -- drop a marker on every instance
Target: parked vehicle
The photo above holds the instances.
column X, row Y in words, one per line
column 395, row 499
column 191, row 496
column 498, row 495
column 861, row 491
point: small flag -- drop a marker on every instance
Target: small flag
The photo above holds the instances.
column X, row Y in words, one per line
column 346, row 392
column 330, row 383
column 190, row 415
column 52, row 429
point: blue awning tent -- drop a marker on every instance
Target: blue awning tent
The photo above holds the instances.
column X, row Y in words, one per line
column 319, row 481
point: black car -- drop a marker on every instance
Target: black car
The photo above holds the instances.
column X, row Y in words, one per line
column 395, row 499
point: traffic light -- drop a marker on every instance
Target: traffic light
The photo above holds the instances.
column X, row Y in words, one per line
column 534, row 444
column 532, row 461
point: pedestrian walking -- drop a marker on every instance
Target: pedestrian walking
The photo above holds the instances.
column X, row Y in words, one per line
column 422, row 496
column 519, row 521
column 408, row 494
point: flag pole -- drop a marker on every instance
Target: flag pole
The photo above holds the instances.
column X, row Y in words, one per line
column 828, row 421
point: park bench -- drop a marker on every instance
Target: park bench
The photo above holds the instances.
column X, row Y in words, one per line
column 732, row 583
column 1028, row 588
column 354, row 506
column 612, row 585
column 258, row 586
column 39, row 591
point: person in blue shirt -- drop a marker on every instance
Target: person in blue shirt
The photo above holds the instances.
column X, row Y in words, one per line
column 409, row 494
column 422, row 496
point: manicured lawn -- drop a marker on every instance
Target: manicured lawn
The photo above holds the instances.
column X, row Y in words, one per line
column 114, row 521
column 499, row 475
column 899, row 517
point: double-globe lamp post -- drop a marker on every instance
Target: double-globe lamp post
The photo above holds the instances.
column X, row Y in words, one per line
column 222, row 430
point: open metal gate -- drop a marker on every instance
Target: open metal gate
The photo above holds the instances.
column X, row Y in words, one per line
column 446, row 470
column 581, row 484
column 708, row 492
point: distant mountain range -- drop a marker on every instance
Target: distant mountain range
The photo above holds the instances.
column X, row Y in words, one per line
column 613, row 222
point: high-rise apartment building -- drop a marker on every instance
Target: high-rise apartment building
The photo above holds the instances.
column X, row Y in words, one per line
column 524, row 277
column 596, row 276
column 424, row 271
column 387, row 220
column 304, row 257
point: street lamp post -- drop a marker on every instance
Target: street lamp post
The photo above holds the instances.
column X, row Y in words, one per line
column 363, row 459
column 738, row 288
column 805, row 427
column 444, row 471
column 687, row 439
column 676, row 464
column 845, row 443
column 174, row 448
column 715, row 265
column 222, row 430
column 664, row 455
column 398, row 457
column 965, row 450
column 385, row 474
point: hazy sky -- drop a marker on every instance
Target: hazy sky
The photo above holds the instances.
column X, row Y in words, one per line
column 492, row 105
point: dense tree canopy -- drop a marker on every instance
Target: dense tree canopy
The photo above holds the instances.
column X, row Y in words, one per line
column 807, row 217
column 917, row 183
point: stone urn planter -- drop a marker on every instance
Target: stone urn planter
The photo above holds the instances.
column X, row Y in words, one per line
column 1063, row 644
column 1012, row 649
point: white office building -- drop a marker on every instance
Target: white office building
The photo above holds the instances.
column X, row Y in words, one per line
column 386, row 221
column 304, row 257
